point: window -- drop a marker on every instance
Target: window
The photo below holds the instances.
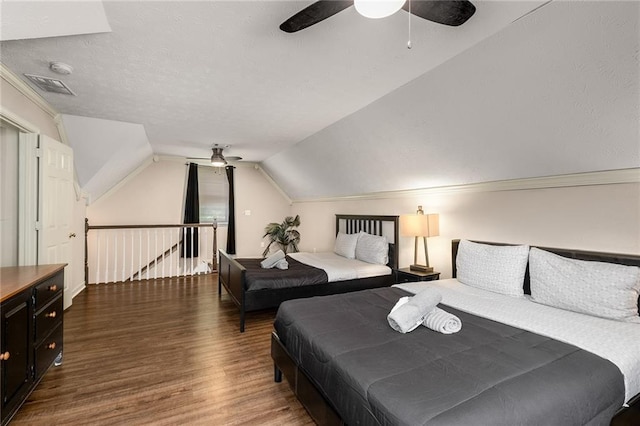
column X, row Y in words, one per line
column 213, row 191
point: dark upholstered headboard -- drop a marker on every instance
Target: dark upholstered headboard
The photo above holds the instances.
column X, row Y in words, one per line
column 622, row 259
column 387, row 226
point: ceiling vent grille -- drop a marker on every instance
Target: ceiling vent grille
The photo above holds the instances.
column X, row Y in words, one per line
column 50, row 84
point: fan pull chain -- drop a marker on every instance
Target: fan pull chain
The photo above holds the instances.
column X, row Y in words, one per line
column 409, row 42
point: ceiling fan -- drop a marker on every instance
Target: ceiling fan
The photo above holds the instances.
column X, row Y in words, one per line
column 446, row 12
column 217, row 159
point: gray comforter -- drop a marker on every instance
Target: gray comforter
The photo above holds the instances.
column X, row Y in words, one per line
column 487, row 374
column 298, row 274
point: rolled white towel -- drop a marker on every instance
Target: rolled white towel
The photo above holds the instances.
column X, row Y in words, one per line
column 282, row 264
column 442, row 322
column 271, row 261
column 406, row 316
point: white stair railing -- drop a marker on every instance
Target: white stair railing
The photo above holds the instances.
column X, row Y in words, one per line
column 123, row 253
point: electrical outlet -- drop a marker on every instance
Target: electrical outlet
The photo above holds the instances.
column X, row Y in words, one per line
column 262, row 244
column 247, row 212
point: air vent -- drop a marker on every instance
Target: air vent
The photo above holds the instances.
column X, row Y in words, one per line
column 50, row 84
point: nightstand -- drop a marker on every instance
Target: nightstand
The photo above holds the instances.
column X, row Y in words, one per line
column 405, row 275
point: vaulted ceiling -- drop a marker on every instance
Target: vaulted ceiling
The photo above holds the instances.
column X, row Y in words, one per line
column 343, row 107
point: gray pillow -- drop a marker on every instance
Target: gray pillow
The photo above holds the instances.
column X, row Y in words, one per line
column 601, row 289
column 495, row 268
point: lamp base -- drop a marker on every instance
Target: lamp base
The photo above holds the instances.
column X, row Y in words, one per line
column 421, row 268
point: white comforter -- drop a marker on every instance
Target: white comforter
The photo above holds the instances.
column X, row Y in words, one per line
column 340, row 268
column 619, row 342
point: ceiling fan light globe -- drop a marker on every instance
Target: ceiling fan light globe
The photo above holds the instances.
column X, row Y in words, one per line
column 376, row 9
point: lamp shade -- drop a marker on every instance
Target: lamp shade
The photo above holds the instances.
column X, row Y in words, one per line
column 420, row 225
column 378, row 8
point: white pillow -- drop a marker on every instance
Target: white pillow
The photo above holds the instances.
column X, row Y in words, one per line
column 372, row 249
column 499, row 269
column 601, row 289
column 345, row 245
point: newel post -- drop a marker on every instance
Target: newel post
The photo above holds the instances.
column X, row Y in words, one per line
column 214, row 260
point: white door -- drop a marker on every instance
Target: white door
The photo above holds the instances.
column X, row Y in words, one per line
column 56, row 207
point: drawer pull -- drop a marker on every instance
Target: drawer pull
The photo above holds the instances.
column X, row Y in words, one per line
column 51, row 314
column 53, row 287
column 51, row 345
column 5, row 356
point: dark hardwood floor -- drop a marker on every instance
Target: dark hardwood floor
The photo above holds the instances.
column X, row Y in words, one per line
column 162, row 352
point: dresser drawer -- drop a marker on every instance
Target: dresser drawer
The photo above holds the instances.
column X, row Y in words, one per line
column 47, row 318
column 48, row 289
column 47, row 351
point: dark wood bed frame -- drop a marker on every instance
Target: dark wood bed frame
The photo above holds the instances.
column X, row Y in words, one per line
column 231, row 274
column 323, row 413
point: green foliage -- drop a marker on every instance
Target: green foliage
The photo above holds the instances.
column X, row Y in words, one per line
column 283, row 235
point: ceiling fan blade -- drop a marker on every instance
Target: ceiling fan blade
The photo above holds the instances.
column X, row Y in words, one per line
column 318, row 11
column 446, row 12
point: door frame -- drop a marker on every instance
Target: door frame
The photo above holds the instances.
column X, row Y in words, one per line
column 27, row 176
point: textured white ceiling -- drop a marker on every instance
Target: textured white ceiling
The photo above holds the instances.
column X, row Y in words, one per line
column 557, row 92
column 195, row 73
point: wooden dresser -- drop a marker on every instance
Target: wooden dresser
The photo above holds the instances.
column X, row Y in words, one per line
column 31, row 331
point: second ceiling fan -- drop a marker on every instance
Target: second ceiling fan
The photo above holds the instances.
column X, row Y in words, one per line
column 446, row 12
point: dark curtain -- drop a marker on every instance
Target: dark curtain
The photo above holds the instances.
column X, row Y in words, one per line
column 231, row 229
column 191, row 213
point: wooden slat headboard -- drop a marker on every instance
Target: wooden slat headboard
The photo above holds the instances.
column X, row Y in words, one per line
column 387, row 226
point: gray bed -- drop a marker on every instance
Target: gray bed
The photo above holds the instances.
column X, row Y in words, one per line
column 348, row 366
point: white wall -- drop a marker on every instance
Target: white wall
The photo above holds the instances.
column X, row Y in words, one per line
column 596, row 217
column 155, row 195
column 26, row 108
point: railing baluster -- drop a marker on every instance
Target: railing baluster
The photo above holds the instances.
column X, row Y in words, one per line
column 148, row 251
column 163, row 253
column 98, row 258
column 139, row 254
column 124, row 252
column 132, row 251
column 184, row 251
column 171, row 253
column 155, row 251
column 192, row 252
column 106, row 260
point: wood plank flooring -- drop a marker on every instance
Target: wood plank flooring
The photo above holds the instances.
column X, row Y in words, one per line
column 162, row 352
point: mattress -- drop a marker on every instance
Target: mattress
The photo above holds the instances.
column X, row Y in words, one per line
column 488, row 373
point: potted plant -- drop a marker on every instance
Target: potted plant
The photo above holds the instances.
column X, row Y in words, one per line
column 283, row 234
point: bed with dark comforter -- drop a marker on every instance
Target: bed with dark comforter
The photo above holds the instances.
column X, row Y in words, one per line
column 346, row 364
column 374, row 375
column 252, row 288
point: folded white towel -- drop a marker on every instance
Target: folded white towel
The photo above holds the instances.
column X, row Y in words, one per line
column 405, row 317
column 271, row 261
column 282, row 264
column 437, row 320
column 442, row 322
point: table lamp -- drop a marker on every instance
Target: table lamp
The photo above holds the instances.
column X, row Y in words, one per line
column 420, row 225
